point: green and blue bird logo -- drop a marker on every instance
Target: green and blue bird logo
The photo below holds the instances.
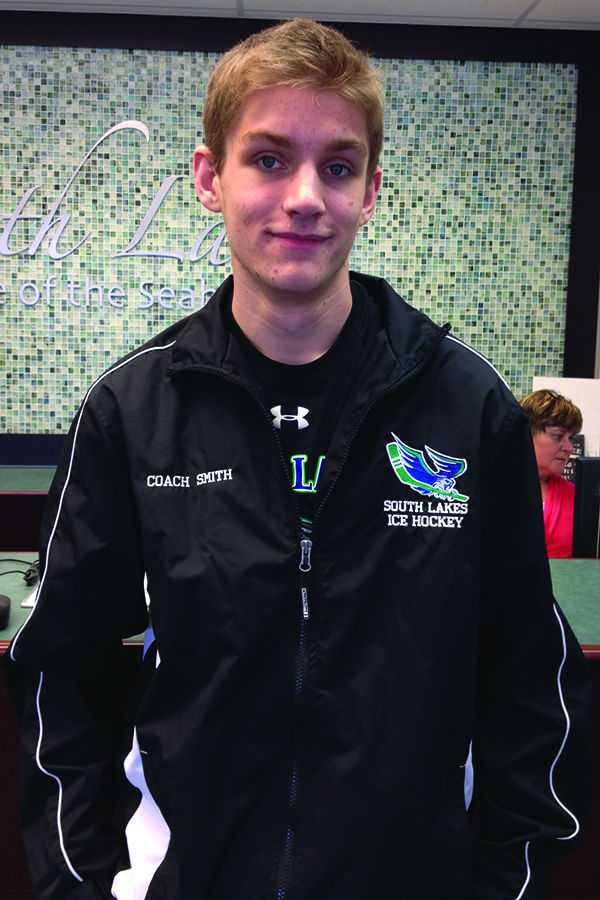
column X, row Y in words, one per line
column 436, row 478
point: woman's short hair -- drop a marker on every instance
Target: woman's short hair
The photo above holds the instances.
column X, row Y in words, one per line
column 299, row 53
column 546, row 407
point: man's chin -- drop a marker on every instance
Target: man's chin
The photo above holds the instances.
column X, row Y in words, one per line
column 298, row 287
column 303, row 283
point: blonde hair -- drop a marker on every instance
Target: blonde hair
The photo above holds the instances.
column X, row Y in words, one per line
column 546, row 407
column 299, row 53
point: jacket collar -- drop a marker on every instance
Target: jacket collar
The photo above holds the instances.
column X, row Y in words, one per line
column 204, row 340
column 409, row 337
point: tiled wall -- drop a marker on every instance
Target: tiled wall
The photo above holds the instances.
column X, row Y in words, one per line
column 473, row 225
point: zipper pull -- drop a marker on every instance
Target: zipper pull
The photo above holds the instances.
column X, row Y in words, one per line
column 305, row 548
column 304, row 592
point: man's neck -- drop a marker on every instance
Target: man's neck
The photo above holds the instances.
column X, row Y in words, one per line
column 288, row 329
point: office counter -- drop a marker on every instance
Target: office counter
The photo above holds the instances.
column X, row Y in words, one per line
column 576, row 584
column 16, row 479
column 23, row 492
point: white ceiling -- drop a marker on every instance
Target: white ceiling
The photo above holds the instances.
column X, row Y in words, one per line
column 570, row 14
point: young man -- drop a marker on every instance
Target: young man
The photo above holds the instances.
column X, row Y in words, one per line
column 332, row 507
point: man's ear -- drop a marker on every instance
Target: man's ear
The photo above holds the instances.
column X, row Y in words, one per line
column 371, row 192
column 206, row 179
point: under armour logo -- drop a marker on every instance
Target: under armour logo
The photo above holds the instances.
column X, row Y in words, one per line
column 299, row 418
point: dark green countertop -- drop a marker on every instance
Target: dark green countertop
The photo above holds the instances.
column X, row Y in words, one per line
column 25, row 478
column 576, row 584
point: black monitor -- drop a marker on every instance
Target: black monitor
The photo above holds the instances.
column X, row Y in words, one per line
column 586, row 522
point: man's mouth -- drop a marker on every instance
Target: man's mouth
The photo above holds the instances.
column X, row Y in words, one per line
column 295, row 237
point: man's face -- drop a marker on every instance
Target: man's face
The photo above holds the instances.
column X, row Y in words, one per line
column 293, row 190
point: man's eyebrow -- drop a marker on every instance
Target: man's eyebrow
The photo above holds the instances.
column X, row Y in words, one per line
column 343, row 144
column 270, row 136
column 279, row 140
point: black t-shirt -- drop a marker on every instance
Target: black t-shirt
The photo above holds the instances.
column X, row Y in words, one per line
column 305, row 400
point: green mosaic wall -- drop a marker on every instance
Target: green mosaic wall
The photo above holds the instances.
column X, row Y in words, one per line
column 473, row 225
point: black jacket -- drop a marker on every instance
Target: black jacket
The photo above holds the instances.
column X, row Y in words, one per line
column 305, row 713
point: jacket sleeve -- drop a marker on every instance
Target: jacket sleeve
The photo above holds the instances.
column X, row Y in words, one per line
column 65, row 665
column 532, row 746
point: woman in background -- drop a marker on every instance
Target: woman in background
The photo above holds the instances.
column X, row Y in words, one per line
column 554, row 420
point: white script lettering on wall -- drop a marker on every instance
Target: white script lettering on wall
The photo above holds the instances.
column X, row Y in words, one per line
column 207, row 245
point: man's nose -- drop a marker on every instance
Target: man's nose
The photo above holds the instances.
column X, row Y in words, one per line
column 304, row 195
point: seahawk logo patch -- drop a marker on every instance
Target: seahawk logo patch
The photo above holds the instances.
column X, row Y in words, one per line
column 430, row 480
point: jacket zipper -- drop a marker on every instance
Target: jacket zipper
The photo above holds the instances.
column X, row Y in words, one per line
column 305, row 567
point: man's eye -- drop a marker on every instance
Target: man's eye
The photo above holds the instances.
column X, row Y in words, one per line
column 268, row 162
column 338, row 170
